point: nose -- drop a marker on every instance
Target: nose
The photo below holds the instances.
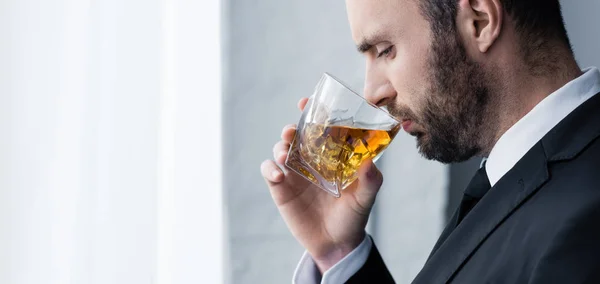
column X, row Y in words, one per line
column 378, row 89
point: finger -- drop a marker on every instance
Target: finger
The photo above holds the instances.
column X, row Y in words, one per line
column 288, row 132
column 370, row 177
column 370, row 180
column 302, row 103
column 285, row 187
column 271, row 172
column 280, row 151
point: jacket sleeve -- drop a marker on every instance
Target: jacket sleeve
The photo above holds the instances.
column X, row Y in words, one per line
column 373, row 271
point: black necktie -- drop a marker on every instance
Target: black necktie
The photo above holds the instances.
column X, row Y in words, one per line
column 478, row 187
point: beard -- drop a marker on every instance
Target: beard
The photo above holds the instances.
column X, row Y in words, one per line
column 455, row 110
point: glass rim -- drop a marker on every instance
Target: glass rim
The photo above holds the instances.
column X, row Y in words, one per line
column 327, row 74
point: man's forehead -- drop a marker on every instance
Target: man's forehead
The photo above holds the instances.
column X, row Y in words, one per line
column 372, row 19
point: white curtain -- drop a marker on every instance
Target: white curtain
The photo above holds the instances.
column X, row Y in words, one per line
column 110, row 160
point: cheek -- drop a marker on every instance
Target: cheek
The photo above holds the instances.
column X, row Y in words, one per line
column 409, row 74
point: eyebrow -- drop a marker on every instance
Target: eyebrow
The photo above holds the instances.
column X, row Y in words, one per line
column 367, row 43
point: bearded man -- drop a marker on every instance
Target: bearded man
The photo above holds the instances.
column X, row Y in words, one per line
column 489, row 78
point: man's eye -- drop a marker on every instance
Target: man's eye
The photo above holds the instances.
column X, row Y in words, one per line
column 385, row 52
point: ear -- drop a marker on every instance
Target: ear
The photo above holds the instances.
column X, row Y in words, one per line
column 480, row 21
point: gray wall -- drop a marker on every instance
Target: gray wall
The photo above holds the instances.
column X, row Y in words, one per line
column 275, row 52
column 583, row 25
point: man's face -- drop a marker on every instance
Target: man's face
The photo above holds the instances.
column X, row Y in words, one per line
column 424, row 78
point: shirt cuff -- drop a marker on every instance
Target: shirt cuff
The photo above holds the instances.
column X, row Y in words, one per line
column 307, row 272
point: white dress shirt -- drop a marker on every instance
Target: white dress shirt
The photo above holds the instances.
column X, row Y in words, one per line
column 509, row 149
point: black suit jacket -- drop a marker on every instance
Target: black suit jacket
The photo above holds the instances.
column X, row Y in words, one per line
column 539, row 224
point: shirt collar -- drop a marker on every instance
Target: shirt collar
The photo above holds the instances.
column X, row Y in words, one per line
column 530, row 129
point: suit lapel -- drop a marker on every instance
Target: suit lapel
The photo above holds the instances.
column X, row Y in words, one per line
column 563, row 142
column 447, row 231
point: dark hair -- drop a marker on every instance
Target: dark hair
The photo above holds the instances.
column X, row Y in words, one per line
column 539, row 25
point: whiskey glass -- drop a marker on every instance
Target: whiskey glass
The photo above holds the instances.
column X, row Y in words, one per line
column 337, row 131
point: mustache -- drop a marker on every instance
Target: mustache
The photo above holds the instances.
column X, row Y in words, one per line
column 401, row 112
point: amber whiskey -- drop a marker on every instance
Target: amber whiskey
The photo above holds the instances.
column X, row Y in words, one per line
column 333, row 154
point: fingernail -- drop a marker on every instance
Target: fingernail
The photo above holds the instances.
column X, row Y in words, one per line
column 275, row 174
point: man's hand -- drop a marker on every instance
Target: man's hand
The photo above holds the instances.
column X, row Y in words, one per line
column 328, row 227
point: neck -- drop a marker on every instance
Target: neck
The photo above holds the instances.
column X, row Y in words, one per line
column 520, row 93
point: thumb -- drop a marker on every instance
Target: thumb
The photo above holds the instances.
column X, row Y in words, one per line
column 369, row 182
